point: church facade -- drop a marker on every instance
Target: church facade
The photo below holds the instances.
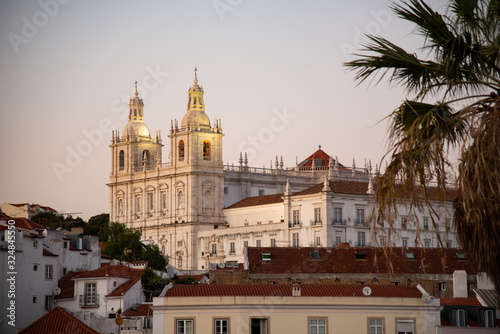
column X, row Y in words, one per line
column 196, row 209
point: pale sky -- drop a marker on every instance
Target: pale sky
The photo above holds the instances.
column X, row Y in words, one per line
column 68, row 68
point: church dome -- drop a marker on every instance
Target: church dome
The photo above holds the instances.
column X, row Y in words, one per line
column 195, row 117
column 138, row 128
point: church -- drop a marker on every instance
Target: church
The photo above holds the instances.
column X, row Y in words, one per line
column 201, row 212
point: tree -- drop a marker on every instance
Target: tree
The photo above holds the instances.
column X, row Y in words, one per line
column 461, row 71
column 123, row 243
column 152, row 284
column 155, row 258
column 98, row 225
column 53, row 221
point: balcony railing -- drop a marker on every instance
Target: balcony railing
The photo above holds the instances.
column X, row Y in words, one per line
column 339, row 222
column 360, row 222
column 89, row 300
column 315, row 222
column 294, row 224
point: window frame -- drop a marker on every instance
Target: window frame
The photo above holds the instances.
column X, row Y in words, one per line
column 273, row 242
column 484, row 318
column 459, row 310
column 337, row 214
column 228, row 319
column 296, row 217
column 48, row 302
column 316, row 318
column 295, row 239
column 192, row 319
column 49, row 272
column 268, row 319
column 87, row 296
column 363, row 239
column 403, row 320
column 382, row 326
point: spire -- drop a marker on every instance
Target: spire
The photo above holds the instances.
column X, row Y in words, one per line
column 136, row 92
column 288, row 192
column 326, row 185
column 195, row 75
column 370, row 190
column 195, row 115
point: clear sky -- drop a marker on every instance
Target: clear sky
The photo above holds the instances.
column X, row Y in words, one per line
column 271, row 70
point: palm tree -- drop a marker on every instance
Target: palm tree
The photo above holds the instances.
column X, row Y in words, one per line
column 461, row 72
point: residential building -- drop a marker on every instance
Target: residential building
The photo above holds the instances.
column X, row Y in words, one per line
column 142, row 312
column 39, row 259
column 24, row 210
column 274, row 309
column 199, row 210
column 467, row 315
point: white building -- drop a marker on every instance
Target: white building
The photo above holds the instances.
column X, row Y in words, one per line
column 185, row 205
column 41, row 257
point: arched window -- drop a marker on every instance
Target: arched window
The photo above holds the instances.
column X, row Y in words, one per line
column 181, row 150
column 121, row 160
column 145, row 157
column 206, row 149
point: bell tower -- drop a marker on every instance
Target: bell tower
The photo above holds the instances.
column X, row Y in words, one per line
column 132, row 152
column 196, row 156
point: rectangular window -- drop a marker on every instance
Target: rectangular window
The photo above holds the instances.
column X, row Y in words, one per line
column 48, row 271
column 381, row 241
column 337, row 215
column 185, row 326
column 376, row 326
column 65, row 271
column 48, row 302
column 317, row 215
column 361, row 239
column 35, row 298
column 35, row 267
column 458, row 317
column 488, row 318
column 427, row 243
column 360, row 216
column 317, row 326
column 232, row 248
column 164, row 201
column 259, row 243
column 318, row 241
column 226, row 191
column 295, row 238
column 296, row 217
column 405, row 326
column 405, row 243
column 35, row 244
column 273, row 242
column 221, row 326
column 65, row 245
column 261, row 192
column 426, row 224
column 214, row 249
column 403, row 223
column 90, row 294
column 137, row 203
column 338, row 240
column 150, row 202
column 259, row 326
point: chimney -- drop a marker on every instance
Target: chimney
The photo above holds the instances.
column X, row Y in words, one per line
column 460, row 284
column 296, row 290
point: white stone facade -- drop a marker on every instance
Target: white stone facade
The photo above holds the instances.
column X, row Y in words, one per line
column 179, row 205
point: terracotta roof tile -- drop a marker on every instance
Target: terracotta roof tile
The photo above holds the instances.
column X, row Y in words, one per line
column 111, row 271
column 258, row 200
column 67, row 285
column 139, row 311
column 25, row 224
column 189, row 290
column 124, row 287
column 48, row 253
column 450, row 301
column 350, row 260
column 319, row 156
column 58, row 320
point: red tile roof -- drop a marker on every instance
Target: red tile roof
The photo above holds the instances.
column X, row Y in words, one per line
column 450, row 301
column 347, row 187
column 347, row 260
column 198, row 290
column 48, row 253
column 319, row 156
column 58, row 320
column 197, row 278
column 111, row 271
column 124, row 287
column 139, row 311
column 67, row 285
column 24, row 223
